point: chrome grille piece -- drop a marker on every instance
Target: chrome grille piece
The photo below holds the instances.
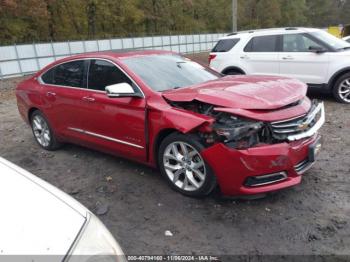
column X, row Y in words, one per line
column 300, row 127
column 302, row 166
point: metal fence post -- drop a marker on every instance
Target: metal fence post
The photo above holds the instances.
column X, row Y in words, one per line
column 133, row 43
column 121, row 40
column 170, row 42
column 53, row 51
column 36, row 57
column 18, row 61
column 69, row 49
column 152, row 37
column 84, row 46
column 192, row 44
column 206, row 42
column 110, row 44
column 143, row 43
column 161, row 37
column 98, row 45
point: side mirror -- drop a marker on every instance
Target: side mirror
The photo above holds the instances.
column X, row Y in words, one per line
column 317, row 49
column 121, row 90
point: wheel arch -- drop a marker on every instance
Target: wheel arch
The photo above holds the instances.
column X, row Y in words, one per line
column 31, row 111
column 336, row 76
column 233, row 68
column 158, row 140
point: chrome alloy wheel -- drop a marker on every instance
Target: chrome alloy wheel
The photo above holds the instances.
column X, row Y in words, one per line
column 41, row 130
column 344, row 90
column 184, row 166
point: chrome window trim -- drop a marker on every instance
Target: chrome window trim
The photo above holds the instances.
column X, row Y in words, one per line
column 40, row 80
column 105, row 137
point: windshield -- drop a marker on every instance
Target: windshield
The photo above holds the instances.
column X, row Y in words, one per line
column 331, row 40
column 165, row 72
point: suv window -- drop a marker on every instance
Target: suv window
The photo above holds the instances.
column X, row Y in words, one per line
column 67, row 74
column 298, row 43
column 225, row 45
column 262, row 44
column 103, row 73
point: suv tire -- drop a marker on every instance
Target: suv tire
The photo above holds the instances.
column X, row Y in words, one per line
column 341, row 89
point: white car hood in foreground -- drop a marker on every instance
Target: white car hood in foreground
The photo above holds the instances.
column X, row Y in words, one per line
column 36, row 218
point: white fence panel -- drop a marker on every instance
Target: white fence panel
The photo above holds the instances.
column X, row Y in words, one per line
column 76, row 47
column 7, row 53
column 24, row 59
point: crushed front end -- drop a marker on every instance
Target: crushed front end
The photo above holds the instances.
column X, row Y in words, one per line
column 256, row 156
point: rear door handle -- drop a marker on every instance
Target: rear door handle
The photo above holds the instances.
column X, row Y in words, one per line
column 50, row 94
column 244, row 57
column 88, row 99
column 288, row 58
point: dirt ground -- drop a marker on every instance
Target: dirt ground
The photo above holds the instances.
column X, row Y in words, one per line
column 138, row 206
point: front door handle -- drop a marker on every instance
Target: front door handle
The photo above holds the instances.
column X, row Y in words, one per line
column 88, row 99
column 50, row 94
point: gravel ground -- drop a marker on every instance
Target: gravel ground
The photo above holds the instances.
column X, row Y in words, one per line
column 138, row 206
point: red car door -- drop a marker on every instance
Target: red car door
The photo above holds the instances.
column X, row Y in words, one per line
column 62, row 89
column 113, row 124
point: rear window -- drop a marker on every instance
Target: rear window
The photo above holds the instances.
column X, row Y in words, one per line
column 225, row 45
column 262, row 44
column 67, row 74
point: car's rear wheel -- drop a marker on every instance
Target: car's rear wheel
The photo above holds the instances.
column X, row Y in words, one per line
column 42, row 131
column 183, row 166
column 341, row 89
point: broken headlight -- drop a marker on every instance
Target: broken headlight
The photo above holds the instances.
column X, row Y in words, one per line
column 237, row 132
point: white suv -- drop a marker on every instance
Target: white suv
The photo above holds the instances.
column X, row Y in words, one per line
column 311, row 55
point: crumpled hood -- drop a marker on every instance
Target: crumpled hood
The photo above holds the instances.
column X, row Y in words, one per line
column 244, row 92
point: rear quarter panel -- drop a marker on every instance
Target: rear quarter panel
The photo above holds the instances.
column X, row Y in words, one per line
column 28, row 95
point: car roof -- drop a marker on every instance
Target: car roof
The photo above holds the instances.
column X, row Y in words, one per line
column 110, row 55
column 270, row 31
column 119, row 54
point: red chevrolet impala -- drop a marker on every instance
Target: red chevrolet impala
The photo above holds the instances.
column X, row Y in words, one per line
column 247, row 134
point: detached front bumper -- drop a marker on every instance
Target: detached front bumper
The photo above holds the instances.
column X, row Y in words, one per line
column 235, row 169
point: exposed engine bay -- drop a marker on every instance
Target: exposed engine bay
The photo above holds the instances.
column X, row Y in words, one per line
column 241, row 133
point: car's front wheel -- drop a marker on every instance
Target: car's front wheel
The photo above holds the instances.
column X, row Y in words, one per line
column 42, row 131
column 183, row 166
column 341, row 89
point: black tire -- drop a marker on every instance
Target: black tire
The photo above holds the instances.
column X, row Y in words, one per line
column 209, row 181
column 337, row 88
column 52, row 144
column 233, row 72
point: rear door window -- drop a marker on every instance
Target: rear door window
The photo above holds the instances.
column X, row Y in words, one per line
column 262, row 44
column 68, row 74
column 225, row 45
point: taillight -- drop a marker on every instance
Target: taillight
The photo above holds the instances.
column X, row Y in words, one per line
column 211, row 57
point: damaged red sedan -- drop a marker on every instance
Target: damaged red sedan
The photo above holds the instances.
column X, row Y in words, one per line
column 246, row 134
